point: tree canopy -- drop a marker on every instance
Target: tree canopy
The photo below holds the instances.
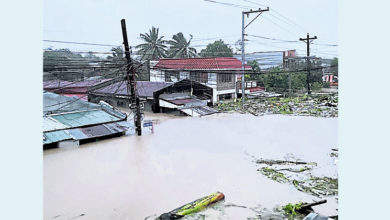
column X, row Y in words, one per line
column 334, row 66
column 180, row 47
column 255, row 65
column 154, row 47
column 62, row 60
column 217, row 49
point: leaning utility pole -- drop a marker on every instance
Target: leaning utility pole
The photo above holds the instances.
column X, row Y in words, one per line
column 131, row 82
column 307, row 40
column 260, row 11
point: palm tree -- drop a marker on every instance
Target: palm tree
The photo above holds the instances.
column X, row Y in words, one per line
column 117, row 52
column 154, row 47
column 180, row 47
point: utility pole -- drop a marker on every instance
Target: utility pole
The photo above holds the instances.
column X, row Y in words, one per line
column 247, row 13
column 307, row 40
column 131, row 82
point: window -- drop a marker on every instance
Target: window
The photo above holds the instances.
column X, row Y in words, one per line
column 224, row 97
column 171, row 76
column 199, row 77
column 225, row 77
column 120, row 104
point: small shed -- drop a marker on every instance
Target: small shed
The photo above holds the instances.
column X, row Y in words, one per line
column 115, row 92
column 187, row 96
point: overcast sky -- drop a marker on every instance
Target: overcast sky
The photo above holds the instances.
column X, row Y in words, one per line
column 98, row 21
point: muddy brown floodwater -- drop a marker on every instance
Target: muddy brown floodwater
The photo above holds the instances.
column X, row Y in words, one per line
column 186, row 158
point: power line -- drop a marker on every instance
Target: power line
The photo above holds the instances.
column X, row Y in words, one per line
column 275, row 11
column 72, row 42
column 275, row 39
column 227, row 4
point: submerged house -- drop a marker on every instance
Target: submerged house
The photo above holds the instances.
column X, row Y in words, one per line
column 219, row 73
column 72, row 120
column 115, row 92
column 185, row 96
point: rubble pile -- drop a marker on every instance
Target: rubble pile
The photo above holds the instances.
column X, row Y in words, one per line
column 304, row 105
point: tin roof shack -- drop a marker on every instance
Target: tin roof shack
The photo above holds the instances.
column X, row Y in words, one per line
column 115, row 92
column 71, row 119
column 186, row 96
column 68, row 88
column 218, row 73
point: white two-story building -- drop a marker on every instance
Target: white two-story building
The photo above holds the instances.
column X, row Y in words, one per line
column 219, row 73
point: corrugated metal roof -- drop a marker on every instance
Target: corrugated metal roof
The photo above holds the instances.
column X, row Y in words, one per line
column 79, row 119
column 111, row 110
column 56, row 136
column 50, row 124
column 144, row 88
column 85, row 133
column 216, row 63
column 54, row 103
column 204, row 110
column 96, row 131
column 83, row 114
column 66, row 84
column 118, row 126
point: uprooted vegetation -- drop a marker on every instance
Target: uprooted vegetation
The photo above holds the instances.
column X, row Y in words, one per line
column 292, row 210
column 304, row 105
column 298, row 174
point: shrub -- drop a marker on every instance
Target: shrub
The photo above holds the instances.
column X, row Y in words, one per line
column 326, row 85
column 316, row 86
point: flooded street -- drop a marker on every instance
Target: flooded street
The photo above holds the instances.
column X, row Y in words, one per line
column 186, row 158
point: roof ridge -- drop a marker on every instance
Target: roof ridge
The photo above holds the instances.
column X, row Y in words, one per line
column 189, row 58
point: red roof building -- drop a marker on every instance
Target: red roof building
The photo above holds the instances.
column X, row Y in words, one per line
column 218, row 73
column 211, row 63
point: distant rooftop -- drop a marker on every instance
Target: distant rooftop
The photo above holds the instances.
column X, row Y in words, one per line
column 52, row 84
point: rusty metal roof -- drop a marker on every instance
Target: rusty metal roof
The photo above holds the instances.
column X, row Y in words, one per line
column 86, row 133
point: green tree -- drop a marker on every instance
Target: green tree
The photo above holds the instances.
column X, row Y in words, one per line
column 217, row 49
column 154, row 47
column 335, row 66
column 278, row 80
column 180, row 47
column 117, row 54
column 91, row 56
column 62, row 60
column 117, row 58
column 255, row 65
column 114, row 63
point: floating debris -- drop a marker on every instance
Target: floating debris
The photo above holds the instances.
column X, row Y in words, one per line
column 192, row 207
column 298, row 173
column 300, row 209
column 303, row 105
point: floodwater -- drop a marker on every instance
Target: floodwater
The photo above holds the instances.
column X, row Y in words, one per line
column 186, row 158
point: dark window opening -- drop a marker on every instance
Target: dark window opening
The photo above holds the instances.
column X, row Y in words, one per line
column 225, row 96
column 225, row 77
column 171, row 76
column 199, row 77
